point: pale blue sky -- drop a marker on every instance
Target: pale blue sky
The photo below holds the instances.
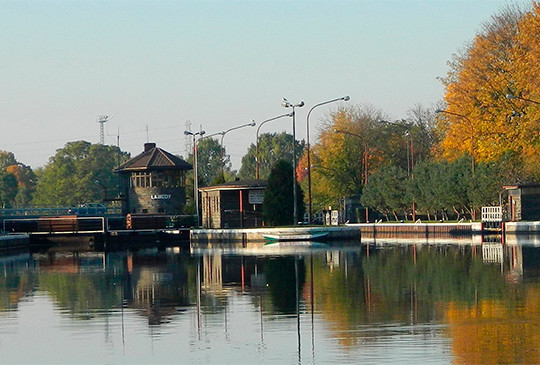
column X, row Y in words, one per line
column 218, row 64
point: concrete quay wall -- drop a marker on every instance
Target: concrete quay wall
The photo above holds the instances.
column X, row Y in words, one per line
column 8, row 242
column 257, row 234
column 346, row 232
column 522, row 227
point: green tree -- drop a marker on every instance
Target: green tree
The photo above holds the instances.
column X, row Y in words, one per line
column 278, row 206
column 272, row 148
column 209, row 163
column 20, row 194
column 79, row 172
column 209, row 169
column 386, row 191
column 7, row 159
column 8, row 189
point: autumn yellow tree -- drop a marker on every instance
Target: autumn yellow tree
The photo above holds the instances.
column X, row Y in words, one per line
column 526, row 87
column 482, row 119
column 345, row 153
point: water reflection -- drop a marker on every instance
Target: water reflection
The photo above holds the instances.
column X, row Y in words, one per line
column 378, row 302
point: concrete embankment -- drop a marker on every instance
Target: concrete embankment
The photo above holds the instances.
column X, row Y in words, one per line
column 257, row 234
column 522, row 227
column 346, row 232
column 10, row 242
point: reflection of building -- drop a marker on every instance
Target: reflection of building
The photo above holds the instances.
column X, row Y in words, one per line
column 212, row 275
column 523, row 202
column 154, row 182
column 158, row 289
column 236, row 204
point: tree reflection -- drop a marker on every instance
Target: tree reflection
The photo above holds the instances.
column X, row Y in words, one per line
column 280, row 277
column 486, row 298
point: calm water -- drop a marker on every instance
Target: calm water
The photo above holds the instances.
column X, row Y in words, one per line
column 451, row 303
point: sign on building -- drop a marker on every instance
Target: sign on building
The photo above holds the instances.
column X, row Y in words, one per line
column 256, row 196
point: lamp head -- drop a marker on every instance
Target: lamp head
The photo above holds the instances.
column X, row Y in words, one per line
column 188, row 133
column 300, row 104
column 346, row 98
column 285, row 103
column 252, row 124
column 439, row 111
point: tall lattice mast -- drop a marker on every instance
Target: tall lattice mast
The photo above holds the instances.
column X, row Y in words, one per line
column 102, row 119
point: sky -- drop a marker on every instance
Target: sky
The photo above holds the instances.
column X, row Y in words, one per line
column 157, row 68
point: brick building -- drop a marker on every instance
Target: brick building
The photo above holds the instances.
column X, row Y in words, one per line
column 154, row 182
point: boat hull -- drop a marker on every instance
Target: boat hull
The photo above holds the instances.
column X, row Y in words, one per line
column 295, row 237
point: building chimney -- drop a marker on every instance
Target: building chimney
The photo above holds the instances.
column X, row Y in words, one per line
column 149, row 146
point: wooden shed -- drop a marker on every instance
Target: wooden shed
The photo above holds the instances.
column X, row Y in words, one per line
column 154, row 182
column 523, row 202
column 236, row 204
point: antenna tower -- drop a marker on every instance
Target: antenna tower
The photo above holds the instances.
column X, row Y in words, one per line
column 102, row 119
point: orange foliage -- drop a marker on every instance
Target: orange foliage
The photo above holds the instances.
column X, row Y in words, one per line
column 492, row 333
column 16, row 171
column 481, row 121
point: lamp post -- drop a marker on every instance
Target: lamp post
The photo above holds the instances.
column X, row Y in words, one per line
column 438, row 111
column 257, row 163
column 250, row 124
column 512, row 96
column 195, row 175
column 345, row 98
column 285, row 103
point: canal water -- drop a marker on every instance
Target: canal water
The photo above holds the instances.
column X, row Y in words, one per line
column 389, row 303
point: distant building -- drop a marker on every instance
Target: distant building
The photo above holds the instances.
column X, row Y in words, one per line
column 523, row 202
column 154, row 182
column 236, row 204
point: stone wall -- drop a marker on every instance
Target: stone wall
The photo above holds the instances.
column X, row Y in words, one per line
column 157, row 200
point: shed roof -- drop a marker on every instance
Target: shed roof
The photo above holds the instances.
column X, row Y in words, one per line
column 238, row 185
column 153, row 158
column 521, row 186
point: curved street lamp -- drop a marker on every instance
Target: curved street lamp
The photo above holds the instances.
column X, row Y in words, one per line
column 344, row 98
column 195, row 175
column 250, row 124
column 257, row 140
column 286, row 104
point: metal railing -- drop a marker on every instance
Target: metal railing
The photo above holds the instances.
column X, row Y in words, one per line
column 49, row 212
column 55, row 225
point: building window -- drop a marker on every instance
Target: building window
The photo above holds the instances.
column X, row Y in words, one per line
column 161, row 179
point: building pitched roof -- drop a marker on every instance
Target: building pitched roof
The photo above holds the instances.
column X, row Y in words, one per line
column 154, row 158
